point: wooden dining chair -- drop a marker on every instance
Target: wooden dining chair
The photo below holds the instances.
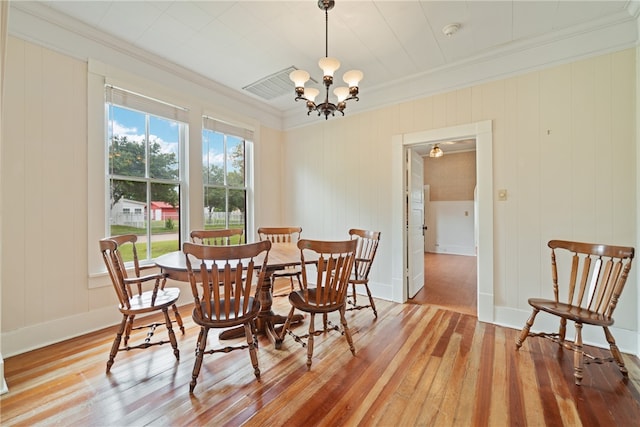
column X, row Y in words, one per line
column 326, row 292
column 365, row 253
column 592, row 276
column 223, row 237
column 278, row 235
column 222, row 295
column 134, row 300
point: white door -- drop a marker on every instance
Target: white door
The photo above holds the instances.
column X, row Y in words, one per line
column 415, row 223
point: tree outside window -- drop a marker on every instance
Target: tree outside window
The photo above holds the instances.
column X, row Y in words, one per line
column 144, row 179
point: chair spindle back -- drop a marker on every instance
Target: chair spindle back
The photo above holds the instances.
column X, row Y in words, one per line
column 597, row 276
column 334, row 262
column 280, row 234
column 224, row 293
column 217, row 237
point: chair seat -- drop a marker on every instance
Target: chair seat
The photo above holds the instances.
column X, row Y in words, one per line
column 224, row 322
column 571, row 312
column 142, row 303
column 296, row 298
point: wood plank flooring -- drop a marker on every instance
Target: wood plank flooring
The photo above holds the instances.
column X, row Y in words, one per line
column 450, row 282
column 415, row 365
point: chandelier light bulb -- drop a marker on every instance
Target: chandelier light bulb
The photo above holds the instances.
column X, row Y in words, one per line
column 341, row 92
column 310, row 93
column 299, row 77
column 353, row 77
column 329, row 65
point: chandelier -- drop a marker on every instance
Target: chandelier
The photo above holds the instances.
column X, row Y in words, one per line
column 328, row 66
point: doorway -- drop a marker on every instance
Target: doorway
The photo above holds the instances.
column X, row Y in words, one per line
column 450, row 270
column 482, row 132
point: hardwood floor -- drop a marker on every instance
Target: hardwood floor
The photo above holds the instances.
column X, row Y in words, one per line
column 415, row 365
column 450, row 283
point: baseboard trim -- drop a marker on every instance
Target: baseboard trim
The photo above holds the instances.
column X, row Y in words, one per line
column 53, row 331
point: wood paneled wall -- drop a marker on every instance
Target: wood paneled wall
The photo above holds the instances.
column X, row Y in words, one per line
column 564, row 147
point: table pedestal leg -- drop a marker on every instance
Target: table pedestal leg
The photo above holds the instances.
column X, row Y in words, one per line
column 267, row 319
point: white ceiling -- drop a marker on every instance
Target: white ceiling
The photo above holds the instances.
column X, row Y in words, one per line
column 399, row 45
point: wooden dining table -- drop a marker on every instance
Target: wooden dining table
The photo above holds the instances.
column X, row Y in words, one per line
column 281, row 255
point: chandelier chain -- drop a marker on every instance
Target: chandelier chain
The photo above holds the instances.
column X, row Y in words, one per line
column 326, row 32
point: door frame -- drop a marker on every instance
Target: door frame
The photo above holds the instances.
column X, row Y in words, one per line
column 482, row 132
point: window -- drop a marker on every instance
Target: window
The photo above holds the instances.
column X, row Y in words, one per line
column 224, row 154
column 145, row 144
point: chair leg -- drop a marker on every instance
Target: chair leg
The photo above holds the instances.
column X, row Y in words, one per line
column 172, row 335
column 116, row 342
column 248, row 332
column 310, row 340
column 527, row 327
column 353, row 300
column 353, row 293
column 287, row 323
column 373, row 304
column 347, row 333
column 562, row 332
column 176, row 314
column 254, row 331
column 615, row 352
column 128, row 329
column 200, row 347
column 578, row 355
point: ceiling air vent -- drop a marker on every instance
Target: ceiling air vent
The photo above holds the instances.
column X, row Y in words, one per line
column 273, row 86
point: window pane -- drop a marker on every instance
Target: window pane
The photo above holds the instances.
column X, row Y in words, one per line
column 235, row 161
column 128, row 206
column 165, row 219
column 237, row 208
column 212, row 157
column 126, row 142
column 214, row 207
column 144, row 172
column 164, row 137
